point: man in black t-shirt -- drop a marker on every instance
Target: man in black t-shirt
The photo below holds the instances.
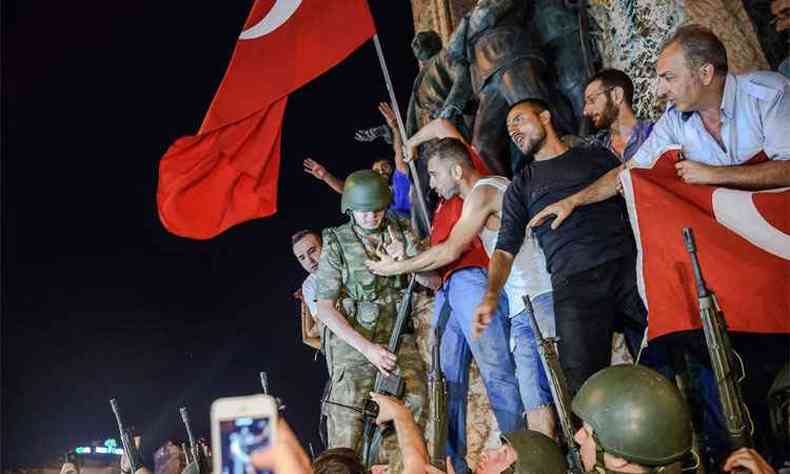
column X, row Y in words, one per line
column 591, row 258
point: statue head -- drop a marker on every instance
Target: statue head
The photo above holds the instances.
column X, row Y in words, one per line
column 426, row 44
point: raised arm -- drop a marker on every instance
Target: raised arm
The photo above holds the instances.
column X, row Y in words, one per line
column 477, row 208
column 397, row 141
column 410, row 440
column 436, row 128
column 318, row 171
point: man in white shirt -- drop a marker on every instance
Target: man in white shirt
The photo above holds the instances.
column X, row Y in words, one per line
column 307, row 249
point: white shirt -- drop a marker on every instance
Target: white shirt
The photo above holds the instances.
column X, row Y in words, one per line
column 755, row 116
column 528, row 275
column 308, row 294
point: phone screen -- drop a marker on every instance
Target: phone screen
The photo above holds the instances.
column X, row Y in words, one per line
column 240, row 437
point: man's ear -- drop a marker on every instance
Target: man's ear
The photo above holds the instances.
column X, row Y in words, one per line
column 614, row 462
column 618, row 95
column 545, row 117
column 706, row 72
column 456, row 171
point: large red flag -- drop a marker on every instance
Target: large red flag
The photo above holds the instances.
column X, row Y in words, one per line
column 227, row 173
column 743, row 243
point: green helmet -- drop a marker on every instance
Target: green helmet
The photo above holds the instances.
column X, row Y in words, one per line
column 365, row 190
column 779, row 405
column 636, row 414
column 537, row 453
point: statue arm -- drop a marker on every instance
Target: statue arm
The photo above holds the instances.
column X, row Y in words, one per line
column 460, row 93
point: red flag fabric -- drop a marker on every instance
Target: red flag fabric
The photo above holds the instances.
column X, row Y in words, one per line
column 743, row 244
column 227, row 173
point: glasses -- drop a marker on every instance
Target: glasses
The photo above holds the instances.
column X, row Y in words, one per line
column 588, row 100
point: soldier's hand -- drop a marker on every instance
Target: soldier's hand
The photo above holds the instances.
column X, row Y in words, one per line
column 390, row 408
column 560, row 210
column 381, row 358
column 314, row 168
column 396, row 248
column 750, row 459
column 385, row 266
column 484, row 314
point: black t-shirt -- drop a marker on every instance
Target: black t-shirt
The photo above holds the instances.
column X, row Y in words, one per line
column 591, row 235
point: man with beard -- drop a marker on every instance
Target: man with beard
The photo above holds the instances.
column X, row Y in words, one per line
column 608, row 100
column 591, row 260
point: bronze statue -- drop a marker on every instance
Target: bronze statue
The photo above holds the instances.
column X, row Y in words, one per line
column 500, row 47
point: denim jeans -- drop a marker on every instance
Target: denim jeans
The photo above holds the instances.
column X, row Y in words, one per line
column 462, row 292
column 532, row 381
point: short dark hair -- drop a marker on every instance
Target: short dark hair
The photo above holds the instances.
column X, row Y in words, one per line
column 611, row 78
column 338, row 461
column 700, row 46
column 451, row 150
column 538, row 105
column 302, row 234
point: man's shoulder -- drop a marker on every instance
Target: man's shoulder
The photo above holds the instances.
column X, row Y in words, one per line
column 763, row 85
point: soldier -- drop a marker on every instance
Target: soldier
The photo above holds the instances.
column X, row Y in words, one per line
column 529, row 452
column 635, row 420
column 359, row 308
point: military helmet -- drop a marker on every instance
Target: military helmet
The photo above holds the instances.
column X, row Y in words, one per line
column 365, row 190
column 426, row 44
column 779, row 405
column 636, row 414
column 537, row 453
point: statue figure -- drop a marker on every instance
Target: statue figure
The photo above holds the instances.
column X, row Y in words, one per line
column 500, row 50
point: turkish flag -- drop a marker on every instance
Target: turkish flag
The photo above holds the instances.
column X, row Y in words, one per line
column 743, row 244
column 227, row 173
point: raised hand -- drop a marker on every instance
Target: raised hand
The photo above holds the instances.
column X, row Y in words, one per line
column 314, row 168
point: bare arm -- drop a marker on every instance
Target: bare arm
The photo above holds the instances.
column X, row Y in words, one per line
column 437, row 128
column 318, row 171
column 397, row 141
column 377, row 354
column 767, row 175
column 410, row 440
column 603, row 188
column 476, row 210
column 498, row 272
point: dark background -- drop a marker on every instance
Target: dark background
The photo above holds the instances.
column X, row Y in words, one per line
column 99, row 301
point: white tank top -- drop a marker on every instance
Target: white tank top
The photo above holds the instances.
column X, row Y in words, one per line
column 528, row 275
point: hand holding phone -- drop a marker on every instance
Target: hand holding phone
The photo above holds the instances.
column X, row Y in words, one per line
column 241, row 426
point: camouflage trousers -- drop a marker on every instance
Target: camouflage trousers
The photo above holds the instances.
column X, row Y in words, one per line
column 352, row 380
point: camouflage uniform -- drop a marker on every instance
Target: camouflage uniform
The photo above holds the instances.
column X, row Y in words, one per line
column 370, row 303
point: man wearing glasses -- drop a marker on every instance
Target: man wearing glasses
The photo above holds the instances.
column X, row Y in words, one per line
column 608, row 102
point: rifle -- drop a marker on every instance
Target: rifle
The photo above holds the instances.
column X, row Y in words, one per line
column 438, row 393
column 129, row 448
column 198, row 464
column 736, row 414
column 559, row 388
column 265, row 388
column 391, row 385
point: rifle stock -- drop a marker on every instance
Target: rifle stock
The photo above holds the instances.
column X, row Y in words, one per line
column 721, row 354
column 127, row 441
column 559, row 388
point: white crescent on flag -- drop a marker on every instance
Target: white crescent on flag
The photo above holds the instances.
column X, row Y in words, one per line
column 735, row 210
column 279, row 14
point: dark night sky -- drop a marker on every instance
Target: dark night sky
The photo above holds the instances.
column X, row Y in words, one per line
column 98, row 299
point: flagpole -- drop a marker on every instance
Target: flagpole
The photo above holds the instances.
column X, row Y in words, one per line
column 421, row 207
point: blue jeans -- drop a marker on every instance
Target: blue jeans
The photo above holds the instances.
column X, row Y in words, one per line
column 462, row 292
column 532, row 381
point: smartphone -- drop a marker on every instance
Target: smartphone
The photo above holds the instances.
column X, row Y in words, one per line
column 239, row 426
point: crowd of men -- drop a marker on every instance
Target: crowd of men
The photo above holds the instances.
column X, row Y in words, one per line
column 557, row 233
column 551, row 244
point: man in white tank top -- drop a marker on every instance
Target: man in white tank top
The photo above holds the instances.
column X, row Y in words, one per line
column 452, row 173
